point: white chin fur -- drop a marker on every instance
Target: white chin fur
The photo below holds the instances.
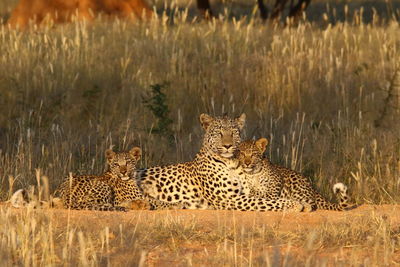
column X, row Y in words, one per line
column 248, row 170
column 227, row 155
column 125, row 178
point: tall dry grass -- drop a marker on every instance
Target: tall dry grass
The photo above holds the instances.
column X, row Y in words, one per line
column 68, row 93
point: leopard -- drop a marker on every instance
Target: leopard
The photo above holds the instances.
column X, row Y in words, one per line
column 261, row 178
column 210, row 180
column 114, row 190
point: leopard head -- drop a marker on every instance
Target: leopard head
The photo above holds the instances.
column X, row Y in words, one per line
column 222, row 134
column 123, row 164
column 251, row 155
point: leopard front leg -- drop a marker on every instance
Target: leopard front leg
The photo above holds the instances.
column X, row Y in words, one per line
column 100, row 199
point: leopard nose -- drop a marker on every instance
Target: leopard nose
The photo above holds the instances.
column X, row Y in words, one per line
column 123, row 171
column 227, row 146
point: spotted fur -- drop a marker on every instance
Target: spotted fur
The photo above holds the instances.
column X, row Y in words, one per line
column 114, row 190
column 261, row 178
column 210, row 180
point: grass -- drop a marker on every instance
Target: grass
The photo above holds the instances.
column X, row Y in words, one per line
column 315, row 90
column 70, row 92
column 36, row 237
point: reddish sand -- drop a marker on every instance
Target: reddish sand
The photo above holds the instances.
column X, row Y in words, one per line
column 210, row 218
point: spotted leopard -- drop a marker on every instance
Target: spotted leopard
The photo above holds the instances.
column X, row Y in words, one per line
column 261, row 178
column 209, row 180
column 114, row 190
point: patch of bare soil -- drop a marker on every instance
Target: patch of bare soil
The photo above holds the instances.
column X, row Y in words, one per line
column 186, row 237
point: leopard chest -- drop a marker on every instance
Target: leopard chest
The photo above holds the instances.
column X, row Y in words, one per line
column 218, row 179
column 251, row 182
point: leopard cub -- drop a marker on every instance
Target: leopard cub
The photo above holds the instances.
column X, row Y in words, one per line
column 113, row 190
column 261, row 178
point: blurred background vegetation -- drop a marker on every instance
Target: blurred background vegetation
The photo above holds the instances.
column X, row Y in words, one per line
column 316, row 90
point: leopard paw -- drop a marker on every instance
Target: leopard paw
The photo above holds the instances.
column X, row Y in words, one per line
column 294, row 206
column 307, row 207
column 139, row 204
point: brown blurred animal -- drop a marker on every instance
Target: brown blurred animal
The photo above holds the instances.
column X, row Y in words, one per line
column 60, row 11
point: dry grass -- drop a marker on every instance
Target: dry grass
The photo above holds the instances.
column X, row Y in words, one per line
column 70, row 92
column 56, row 237
column 314, row 90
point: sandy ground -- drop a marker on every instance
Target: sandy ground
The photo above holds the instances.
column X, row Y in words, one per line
column 211, row 219
column 162, row 253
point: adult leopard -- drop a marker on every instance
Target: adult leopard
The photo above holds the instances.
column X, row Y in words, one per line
column 210, row 179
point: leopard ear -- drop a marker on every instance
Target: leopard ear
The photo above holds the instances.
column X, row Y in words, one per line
column 110, row 154
column 136, row 152
column 261, row 144
column 241, row 121
column 206, row 120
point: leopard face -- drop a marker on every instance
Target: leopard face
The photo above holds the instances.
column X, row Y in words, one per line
column 222, row 134
column 123, row 164
column 251, row 155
